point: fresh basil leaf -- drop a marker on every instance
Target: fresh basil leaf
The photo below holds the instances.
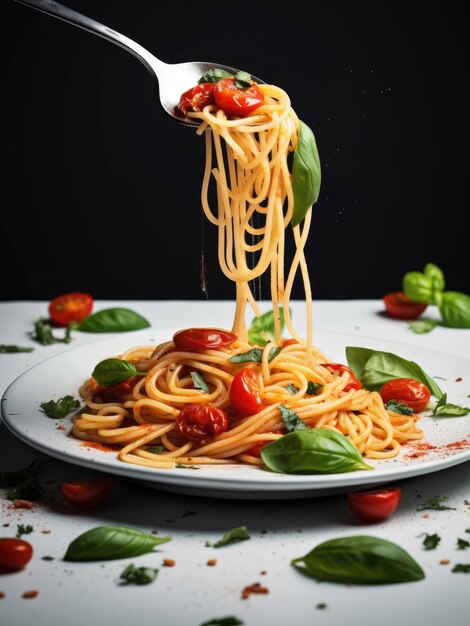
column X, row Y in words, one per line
column 306, row 174
column 313, row 451
column 43, row 333
column 155, row 449
column 463, row 568
column 430, row 542
column 435, row 273
column 111, row 542
column 455, row 309
column 443, row 409
column 9, row 349
column 261, row 329
column 113, row 371
column 232, row 536
column 243, row 80
column 291, row 420
column 255, row 355
column 133, row 575
column 435, row 504
column 116, row 320
column 420, row 327
column 213, row 75
column 57, row 409
column 419, row 287
column 399, row 407
column 361, row 560
column 199, row 382
column 224, row 621
column 462, row 544
column 23, row 530
column 375, row 368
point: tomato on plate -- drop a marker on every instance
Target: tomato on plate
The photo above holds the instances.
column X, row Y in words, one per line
column 354, row 383
column 398, row 305
column 202, row 421
column 120, row 392
column 236, row 101
column 14, row 554
column 70, row 307
column 203, row 339
column 412, row 392
column 374, row 505
column 196, row 98
column 245, row 393
column 87, row 494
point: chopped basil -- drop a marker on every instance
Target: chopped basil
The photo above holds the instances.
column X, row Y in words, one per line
column 184, row 466
column 58, row 409
column 462, row 544
column 243, row 80
column 443, row 409
column 155, row 449
column 430, row 542
column 224, row 621
column 435, row 503
column 24, row 530
column 232, row 536
column 313, row 389
column 261, row 329
column 199, row 382
column 291, row 420
column 292, row 389
column 213, row 75
column 399, row 407
column 464, row 568
column 321, row 606
column 43, row 333
column 255, row 355
column 113, row 371
column 420, row 327
column 133, row 575
column 47, row 558
column 8, row 349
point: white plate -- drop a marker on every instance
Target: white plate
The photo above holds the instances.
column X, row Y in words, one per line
column 62, row 375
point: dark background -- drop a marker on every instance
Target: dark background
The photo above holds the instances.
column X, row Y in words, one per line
column 100, row 188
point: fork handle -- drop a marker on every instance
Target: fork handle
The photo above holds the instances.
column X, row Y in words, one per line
column 77, row 19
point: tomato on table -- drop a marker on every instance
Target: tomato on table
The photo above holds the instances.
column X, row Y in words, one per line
column 203, row 339
column 196, row 98
column 236, row 101
column 14, row 554
column 70, row 307
column 374, row 505
column 202, row 421
column 244, row 392
column 354, row 383
column 398, row 305
column 87, row 494
column 412, row 392
column 120, row 392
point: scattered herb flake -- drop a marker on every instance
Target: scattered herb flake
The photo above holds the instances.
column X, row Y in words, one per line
column 292, row 389
column 43, row 333
column 313, row 389
column 462, row 544
column 464, row 568
column 291, row 420
column 224, row 621
column 47, row 558
column 58, row 409
column 133, row 575
column 183, row 466
column 24, row 530
column 199, row 382
column 255, row 355
column 232, row 536
column 321, row 606
column 9, row 349
column 430, row 542
column 155, row 449
column 399, row 407
column 435, row 503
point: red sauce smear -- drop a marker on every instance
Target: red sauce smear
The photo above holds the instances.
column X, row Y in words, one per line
column 97, row 446
column 422, row 449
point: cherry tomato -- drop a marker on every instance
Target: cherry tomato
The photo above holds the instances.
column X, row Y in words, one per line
column 14, row 554
column 70, row 307
column 407, row 390
column 398, row 305
column 288, row 342
column 196, row 98
column 203, row 339
column 235, row 101
column 120, row 392
column 87, row 494
column 374, row 505
column 202, row 421
column 244, row 392
column 354, row 383
column 256, row 449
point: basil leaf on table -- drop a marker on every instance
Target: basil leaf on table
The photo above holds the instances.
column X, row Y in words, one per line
column 213, row 75
column 116, row 320
column 455, row 309
column 261, row 329
column 10, row 349
column 291, row 420
column 374, row 368
column 43, row 333
column 313, row 451
column 420, row 327
column 430, row 542
column 232, row 536
column 113, row 371
column 443, row 409
column 133, row 575
column 111, row 542
column 362, row 560
column 255, row 355
column 58, row 409
column 306, row 174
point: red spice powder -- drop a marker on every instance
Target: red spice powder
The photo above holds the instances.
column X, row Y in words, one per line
column 212, row 562
column 422, row 448
column 97, row 446
column 254, row 588
column 168, row 562
column 22, row 504
column 30, row 594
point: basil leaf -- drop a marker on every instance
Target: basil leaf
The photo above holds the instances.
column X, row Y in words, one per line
column 436, row 275
column 24, row 482
column 111, row 542
column 255, row 355
column 155, row 449
column 43, row 333
column 133, row 575
column 213, row 75
column 455, row 309
column 419, row 287
column 399, row 407
column 199, row 381
column 306, row 174
column 261, row 329
column 23, row 530
column 243, row 80
column 113, row 371
column 291, row 420
column 224, row 621
column 361, row 560
column 375, row 368
column 58, row 409
column 232, row 536
column 462, row 544
column 112, row 321
column 313, row 451
column 420, row 327
column 464, row 568
column 8, row 479
column 9, row 349
column 435, row 504
column 430, row 542
column 442, row 409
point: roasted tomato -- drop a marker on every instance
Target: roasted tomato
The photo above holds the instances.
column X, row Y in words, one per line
column 196, row 98
column 398, row 305
column 374, row 505
column 120, row 392
column 244, row 392
column 412, row 392
column 14, row 554
column 354, row 383
column 70, row 307
column 236, row 101
column 203, row 339
column 87, row 494
column 202, row 421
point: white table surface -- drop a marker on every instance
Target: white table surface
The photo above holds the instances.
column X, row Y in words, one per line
column 191, row 593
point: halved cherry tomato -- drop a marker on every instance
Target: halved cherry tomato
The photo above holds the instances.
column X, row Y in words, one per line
column 70, row 307
column 203, row 338
column 196, row 98
column 235, row 101
column 244, row 392
column 288, row 342
column 87, row 494
column 412, row 392
column 14, row 554
column 354, row 383
column 374, row 505
column 202, row 421
column 398, row 305
column 120, row 392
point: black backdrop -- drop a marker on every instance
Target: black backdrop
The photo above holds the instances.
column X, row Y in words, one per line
column 100, row 189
